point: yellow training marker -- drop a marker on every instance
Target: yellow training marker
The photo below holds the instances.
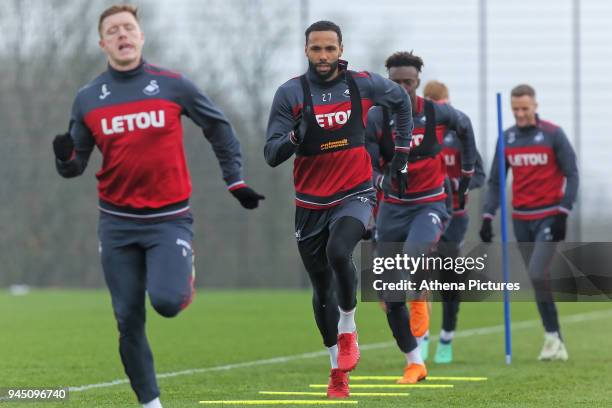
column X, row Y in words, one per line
column 395, row 377
column 323, row 394
column 278, row 402
column 389, row 386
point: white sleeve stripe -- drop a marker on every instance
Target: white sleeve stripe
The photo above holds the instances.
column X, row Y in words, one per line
column 236, row 183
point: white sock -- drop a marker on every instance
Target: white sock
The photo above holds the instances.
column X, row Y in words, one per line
column 415, row 356
column 422, row 338
column 554, row 334
column 346, row 324
column 333, row 355
column 446, row 336
column 153, row 404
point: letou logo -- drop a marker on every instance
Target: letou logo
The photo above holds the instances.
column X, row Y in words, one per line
column 332, row 119
column 528, row 159
column 142, row 121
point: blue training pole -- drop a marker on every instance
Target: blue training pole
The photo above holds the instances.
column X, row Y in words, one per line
column 504, row 226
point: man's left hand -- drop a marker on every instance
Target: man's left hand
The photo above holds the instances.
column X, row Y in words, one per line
column 558, row 228
column 397, row 174
column 462, row 190
column 248, row 197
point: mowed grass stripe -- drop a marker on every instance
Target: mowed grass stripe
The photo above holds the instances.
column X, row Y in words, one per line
column 525, row 324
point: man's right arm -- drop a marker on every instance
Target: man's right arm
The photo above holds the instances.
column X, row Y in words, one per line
column 279, row 146
column 372, row 133
column 491, row 198
column 389, row 94
column 492, row 194
column 83, row 143
column 478, row 179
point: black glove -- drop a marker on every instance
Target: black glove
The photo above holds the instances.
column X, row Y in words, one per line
column 462, row 190
column 398, row 173
column 559, row 227
column 486, row 231
column 368, row 234
column 248, row 197
column 63, row 146
column 296, row 136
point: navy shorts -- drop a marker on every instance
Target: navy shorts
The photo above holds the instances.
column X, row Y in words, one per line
column 309, row 223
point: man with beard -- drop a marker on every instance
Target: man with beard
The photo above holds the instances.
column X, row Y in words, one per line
column 320, row 118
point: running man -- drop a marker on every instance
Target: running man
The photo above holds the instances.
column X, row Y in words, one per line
column 320, row 118
column 132, row 113
column 417, row 217
column 453, row 237
column 544, row 189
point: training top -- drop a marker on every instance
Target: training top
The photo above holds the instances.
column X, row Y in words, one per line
column 452, row 158
column 544, row 172
column 134, row 118
column 332, row 162
column 426, row 167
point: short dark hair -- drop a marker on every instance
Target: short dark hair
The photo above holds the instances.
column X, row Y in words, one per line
column 115, row 9
column 404, row 59
column 522, row 90
column 324, row 25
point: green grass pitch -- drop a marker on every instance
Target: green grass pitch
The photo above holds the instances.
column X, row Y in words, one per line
column 59, row 338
